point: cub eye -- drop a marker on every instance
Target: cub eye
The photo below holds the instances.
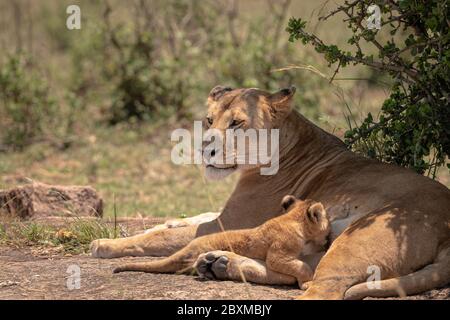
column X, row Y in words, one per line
column 236, row 123
column 209, row 120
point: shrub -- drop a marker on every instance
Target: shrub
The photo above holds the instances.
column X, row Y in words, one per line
column 154, row 72
column 413, row 128
column 26, row 106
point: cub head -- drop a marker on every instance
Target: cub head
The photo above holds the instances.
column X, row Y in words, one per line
column 313, row 217
column 240, row 109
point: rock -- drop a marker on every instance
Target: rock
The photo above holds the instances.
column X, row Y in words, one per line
column 38, row 199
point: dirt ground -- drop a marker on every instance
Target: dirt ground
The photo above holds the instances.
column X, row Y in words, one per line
column 37, row 273
column 25, row 275
column 29, row 275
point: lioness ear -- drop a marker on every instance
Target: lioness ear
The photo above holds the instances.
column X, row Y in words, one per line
column 287, row 202
column 218, row 91
column 316, row 212
column 281, row 103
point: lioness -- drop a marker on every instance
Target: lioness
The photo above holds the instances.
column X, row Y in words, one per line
column 398, row 222
column 279, row 242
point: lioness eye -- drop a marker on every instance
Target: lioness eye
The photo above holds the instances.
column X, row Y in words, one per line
column 236, row 123
column 210, row 120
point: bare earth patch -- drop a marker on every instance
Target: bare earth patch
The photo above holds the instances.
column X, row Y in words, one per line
column 28, row 276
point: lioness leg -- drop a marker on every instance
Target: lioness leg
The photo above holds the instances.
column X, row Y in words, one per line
column 432, row 276
column 334, row 276
column 158, row 243
column 381, row 245
column 225, row 265
column 185, row 222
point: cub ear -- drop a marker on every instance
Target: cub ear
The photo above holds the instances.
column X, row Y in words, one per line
column 287, row 202
column 218, row 91
column 281, row 102
column 316, row 212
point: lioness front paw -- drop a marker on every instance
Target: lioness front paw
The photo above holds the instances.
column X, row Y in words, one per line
column 95, row 248
column 102, row 248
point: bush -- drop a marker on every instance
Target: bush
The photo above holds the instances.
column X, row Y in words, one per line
column 26, row 107
column 413, row 128
column 147, row 87
column 154, row 72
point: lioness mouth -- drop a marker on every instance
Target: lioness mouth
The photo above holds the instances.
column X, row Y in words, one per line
column 219, row 168
column 217, row 173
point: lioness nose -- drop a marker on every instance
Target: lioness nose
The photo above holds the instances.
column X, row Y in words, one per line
column 209, row 153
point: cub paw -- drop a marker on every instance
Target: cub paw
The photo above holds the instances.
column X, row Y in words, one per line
column 212, row 265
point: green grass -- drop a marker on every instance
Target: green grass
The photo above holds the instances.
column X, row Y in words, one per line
column 74, row 238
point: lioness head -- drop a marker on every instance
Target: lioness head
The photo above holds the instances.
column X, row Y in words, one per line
column 314, row 220
column 238, row 110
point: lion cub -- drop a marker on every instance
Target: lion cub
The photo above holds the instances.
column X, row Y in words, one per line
column 278, row 241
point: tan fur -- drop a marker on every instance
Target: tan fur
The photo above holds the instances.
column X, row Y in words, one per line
column 278, row 241
column 395, row 219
